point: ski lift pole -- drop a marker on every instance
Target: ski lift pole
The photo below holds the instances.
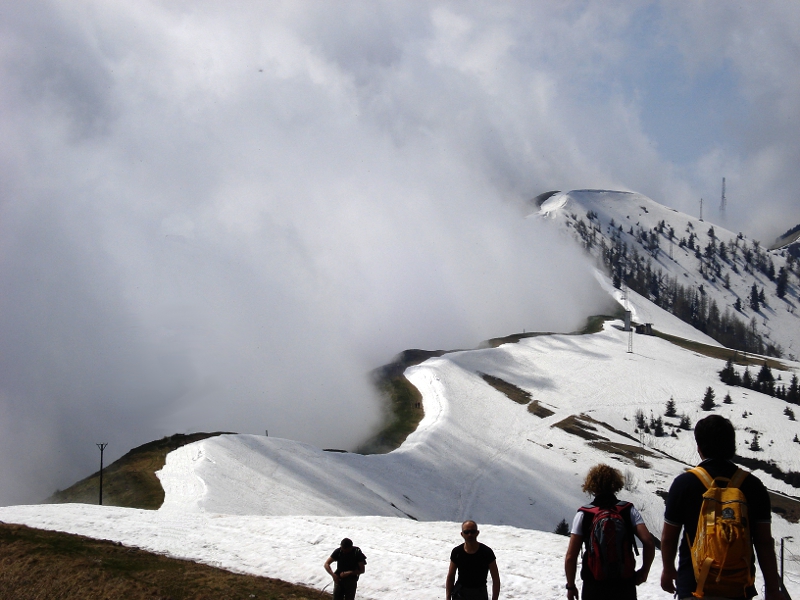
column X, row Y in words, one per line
column 102, row 447
column 783, row 585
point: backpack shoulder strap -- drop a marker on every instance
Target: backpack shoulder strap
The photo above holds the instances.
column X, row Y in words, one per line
column 738, row 478
column 703, row 476
column 624, row 509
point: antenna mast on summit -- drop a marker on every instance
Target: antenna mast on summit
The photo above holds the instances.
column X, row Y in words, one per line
column 723, row 207
column 701, row 209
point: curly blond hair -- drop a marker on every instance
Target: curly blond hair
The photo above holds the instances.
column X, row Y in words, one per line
column 603, row 480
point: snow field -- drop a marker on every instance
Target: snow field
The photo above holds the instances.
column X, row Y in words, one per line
column 278, row 508
column 406, row 560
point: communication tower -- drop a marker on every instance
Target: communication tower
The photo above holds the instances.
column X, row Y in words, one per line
column 701, row 209
column 723, row 207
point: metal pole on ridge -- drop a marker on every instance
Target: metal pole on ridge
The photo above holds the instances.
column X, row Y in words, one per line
column 102, row 447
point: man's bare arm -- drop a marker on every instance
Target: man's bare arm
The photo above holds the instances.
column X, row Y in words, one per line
column 330, row 571
column 670, row 537
column 648, row 552
column 495, row 580
column 571, row 564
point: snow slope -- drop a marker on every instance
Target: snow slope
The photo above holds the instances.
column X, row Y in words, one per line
column 778, row 321
column 232, row 500
column 277, row 507
column 405, row 559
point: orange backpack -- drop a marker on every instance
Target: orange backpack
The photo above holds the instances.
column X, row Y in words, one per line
column 722, row 552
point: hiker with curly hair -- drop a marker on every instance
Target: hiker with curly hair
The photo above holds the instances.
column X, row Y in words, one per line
column 607, row 527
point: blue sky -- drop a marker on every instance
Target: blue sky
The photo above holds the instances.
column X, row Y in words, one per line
column 202, row 204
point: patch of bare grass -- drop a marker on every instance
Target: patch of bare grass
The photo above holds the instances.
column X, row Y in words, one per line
column 130, row 481
column 737, row 356
column 632, row 453
column 403, row 402
column 511, row 391
column 577, row 425
column 535, row 408
column 37, row 564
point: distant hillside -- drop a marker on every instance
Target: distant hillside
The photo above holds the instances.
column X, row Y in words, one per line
column 789, row 242
column 131, row 481
column 725, row 285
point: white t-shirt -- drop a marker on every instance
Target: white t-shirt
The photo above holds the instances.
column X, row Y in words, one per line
column 577, row 522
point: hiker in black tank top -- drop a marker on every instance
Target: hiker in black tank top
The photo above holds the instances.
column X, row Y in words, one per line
column 473, row 562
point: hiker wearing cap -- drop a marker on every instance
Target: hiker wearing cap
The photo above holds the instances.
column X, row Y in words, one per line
column 607, row 528
column 473, row 562
column 350, row 563
column 736, row 513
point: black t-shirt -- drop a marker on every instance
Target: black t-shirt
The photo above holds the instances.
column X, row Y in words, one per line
column 348, row 561
column 683, row 509
column 473, row 569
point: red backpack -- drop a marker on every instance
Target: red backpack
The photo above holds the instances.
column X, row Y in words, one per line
column 609, row 541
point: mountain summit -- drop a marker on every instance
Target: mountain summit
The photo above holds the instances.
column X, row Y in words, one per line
column 732, row 288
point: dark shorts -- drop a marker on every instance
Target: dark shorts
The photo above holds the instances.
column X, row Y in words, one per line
column 345, row 589
column 467, row 593
column 608, row 590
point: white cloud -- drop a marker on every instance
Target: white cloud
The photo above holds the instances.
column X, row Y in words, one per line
column 222, row 217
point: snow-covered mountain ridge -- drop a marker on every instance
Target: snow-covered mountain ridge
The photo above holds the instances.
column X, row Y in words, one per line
column 688, row 266
column 514, row 466
column 476, row 454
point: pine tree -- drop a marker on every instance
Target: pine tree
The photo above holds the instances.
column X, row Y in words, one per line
column 685, row 423
column 793, row 393
column 754, row 301
column 562, row 528
column 708, row 399
column 728, row 375
column 671, row 412
column 657, row 426
column 728, row 399
column 747, row 379
column 765, row 381
column 789, row 413
column 754, row 445
column 782, row 283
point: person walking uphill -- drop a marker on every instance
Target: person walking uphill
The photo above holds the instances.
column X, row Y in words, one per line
column 607, row 528
column 350, row 563
column 735, row 510
column 473, row 562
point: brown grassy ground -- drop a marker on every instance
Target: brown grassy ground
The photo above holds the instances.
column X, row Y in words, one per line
column 130, row 481
column 403, row 400
column 540, row 411
column 511, row 391
column 46, row 565
column 737, row 356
